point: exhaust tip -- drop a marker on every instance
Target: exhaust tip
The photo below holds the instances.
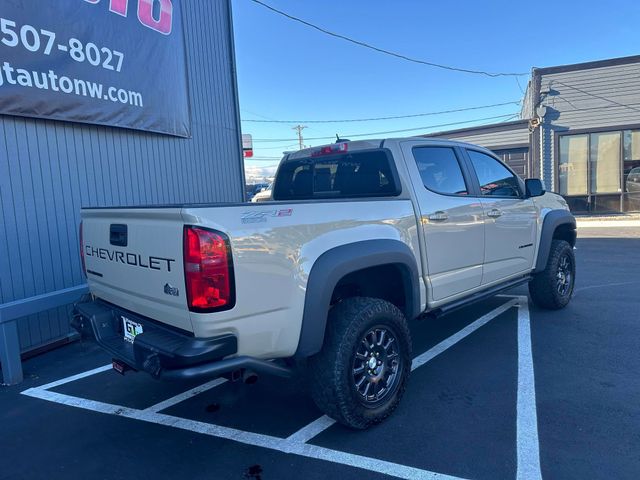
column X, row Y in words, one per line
column 249, row 377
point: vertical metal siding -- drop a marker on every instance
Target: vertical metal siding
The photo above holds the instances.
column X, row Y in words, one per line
column 547, row 172
column 49, row 170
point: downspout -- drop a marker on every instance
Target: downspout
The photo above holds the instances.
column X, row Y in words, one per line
column 535, row 139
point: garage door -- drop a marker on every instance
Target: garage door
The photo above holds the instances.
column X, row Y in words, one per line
column 517, row 159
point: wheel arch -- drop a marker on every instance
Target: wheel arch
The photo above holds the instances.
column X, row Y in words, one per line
column 557, row 224
column 339, row 262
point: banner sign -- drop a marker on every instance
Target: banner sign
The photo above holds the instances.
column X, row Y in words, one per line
column 110, row 62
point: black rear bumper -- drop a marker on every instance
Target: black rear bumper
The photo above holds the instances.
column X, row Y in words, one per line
column 160, row 351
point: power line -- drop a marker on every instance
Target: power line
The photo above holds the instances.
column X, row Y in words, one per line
column 298, row 128
column 386, row 52
column 257, row 114
column 393, row 117
column 601, row 107
column 283, row 147
column 267, row 119
column 597, row 96
column 511, row 115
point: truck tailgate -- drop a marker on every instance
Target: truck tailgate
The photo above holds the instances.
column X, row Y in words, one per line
column 133, row 258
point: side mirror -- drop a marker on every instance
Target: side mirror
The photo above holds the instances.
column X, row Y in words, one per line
column 533, row 187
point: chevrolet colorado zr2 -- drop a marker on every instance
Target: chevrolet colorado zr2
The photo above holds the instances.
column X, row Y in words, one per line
column 361, row 237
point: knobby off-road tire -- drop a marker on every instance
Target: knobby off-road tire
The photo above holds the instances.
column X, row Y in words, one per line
column 367, row 342
column 553, row 287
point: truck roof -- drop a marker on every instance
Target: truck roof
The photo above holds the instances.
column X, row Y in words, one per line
column 355, row 145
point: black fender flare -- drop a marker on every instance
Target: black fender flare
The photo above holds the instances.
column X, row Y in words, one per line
column 333, row 265
column 551, row 222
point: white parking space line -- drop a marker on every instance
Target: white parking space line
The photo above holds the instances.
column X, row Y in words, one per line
column 73, row 378
column 83, row 403
column 527, row 424
column 313, row 429
column 154, row 408
column 170, row 402
column 528, row 457
column 430, row 354
column 241, row 436
column 367, row 463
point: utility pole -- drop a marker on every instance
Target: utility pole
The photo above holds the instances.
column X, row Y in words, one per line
column 299, row 128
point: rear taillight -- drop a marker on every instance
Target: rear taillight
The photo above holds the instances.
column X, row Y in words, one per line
column 84, row 267
column 208, row 270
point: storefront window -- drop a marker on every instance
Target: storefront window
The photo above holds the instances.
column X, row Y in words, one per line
column 604, row 162
column 600, row 172
column 574, row 158
column 631, row 170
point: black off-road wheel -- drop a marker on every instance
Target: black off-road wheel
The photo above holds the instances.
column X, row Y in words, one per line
column 552, row 288
column 360, row 374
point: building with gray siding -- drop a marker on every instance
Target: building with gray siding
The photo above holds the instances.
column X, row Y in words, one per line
column 579, row 131
column 50, row 169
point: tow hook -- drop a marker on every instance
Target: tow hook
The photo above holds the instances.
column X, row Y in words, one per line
column 119, row 366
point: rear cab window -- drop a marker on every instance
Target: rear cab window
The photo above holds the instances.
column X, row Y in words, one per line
column 440, row 170
column 366, row 173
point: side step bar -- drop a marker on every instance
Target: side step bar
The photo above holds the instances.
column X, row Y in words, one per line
column 476, row 297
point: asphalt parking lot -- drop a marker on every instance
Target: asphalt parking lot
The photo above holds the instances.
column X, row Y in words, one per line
column 499, row 390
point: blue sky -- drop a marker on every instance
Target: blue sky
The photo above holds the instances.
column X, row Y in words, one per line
column 289, row 71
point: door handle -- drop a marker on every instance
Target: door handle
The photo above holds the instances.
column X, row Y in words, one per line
column 438, row 216
column 494, row 213
column 118, row 234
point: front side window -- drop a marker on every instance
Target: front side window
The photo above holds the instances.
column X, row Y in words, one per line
column 495, row 179
column 440, row 170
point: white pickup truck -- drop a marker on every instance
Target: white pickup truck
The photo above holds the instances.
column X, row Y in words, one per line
column 360, row 238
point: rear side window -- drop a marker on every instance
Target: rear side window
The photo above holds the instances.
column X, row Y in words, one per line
column 359, row 174
column 440, row 170
column 495, row 179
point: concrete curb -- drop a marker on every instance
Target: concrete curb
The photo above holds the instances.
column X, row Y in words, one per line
column 607, row 223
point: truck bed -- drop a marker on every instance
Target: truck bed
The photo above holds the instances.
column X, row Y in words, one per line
column 273, row 245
